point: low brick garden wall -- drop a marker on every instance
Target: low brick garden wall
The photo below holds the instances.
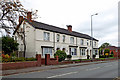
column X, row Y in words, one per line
column 39, row 62
column 18, row 65
column 46, row 61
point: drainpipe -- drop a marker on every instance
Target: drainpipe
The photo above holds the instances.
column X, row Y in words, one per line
column 54, row 41
column 24, row 39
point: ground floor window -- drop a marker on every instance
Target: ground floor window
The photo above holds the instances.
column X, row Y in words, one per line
column 73, row 51
column 82, row 51
column 96, row 52
column 47, row 51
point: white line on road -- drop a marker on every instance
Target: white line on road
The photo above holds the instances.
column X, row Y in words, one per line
column 107, row 65
column 62, row 74
column 92, row 69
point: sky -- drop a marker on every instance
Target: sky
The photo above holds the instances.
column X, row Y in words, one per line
column 78, row 14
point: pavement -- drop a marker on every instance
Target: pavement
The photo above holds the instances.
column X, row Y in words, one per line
column 43, row 68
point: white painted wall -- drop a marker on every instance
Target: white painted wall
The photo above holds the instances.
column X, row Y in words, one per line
column 35, row 39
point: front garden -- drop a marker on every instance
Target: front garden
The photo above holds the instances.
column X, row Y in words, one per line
column 7, row 58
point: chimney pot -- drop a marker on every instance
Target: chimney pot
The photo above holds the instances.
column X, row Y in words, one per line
column 69, row 28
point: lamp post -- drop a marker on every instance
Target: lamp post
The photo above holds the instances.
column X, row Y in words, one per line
column 92, row 32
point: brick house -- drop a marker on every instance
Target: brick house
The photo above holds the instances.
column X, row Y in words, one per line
column 116, row 50
column 41, row 38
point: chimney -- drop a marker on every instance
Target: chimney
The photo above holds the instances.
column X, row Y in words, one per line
column 20, row 19
column 69, row 28
column 29, row 16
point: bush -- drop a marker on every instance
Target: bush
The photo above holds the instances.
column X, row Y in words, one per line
column 107, row 51
column 13, row 54
column 61, row 55
column 7, row 56
column 102, row 56
column 31, row 59
column 94, row 56
column 112, row 52
column 111, row 55
column 3, row 56
column 69, row 56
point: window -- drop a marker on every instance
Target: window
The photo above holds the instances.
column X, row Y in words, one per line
column 58, row 37
column 47, row 51
column 46, row 36
column 63, row 49
column 94, row 43
column 82, row 42
column 58, row 49
column 63, row 38
column 73, row 51
column 82, row 52
column 116, row 50
column 72, row 40
column 96, row 52
column 90, row 43
column 87, row 43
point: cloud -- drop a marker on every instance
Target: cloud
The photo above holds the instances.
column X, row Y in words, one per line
column 77, row 13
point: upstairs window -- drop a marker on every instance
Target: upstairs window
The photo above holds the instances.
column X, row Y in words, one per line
column 72, row 40
column 63, row 38
column 58, row 37
column 46, row 36
column 82, row 42
column 90, row 43
column 94, row 43
column 87, row 43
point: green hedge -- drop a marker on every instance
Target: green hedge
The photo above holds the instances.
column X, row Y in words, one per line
column 61, row 55
column 16, row 59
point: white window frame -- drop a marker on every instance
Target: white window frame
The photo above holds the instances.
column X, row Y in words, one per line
column 73, row 51
column 48, row 51
column 46, row 36
column 82, row 52
column 94, row 43
column 90, row 43
column 87, row 43
column 72, row 40
column 58, row 37
column 63, row 38
column 82, row 41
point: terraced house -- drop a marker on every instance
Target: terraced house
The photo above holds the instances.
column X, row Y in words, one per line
column 40, row 38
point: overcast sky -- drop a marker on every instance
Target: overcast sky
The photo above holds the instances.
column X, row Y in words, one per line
column 78, row 14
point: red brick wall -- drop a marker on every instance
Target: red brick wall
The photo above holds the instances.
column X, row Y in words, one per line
column 18, row 65
column 43, row 61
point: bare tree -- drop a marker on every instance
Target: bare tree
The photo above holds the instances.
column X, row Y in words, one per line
column 10, row 10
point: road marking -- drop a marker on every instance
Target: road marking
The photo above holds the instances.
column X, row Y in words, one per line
column 92, row 69
column 107, row 65
column 62, row 74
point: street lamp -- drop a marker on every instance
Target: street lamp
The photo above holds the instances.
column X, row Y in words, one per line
column 92, row 32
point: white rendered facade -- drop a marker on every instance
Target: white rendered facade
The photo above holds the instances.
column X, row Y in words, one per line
column 36, row 43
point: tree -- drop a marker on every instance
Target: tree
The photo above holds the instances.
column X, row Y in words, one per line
column 104, row 45
column 61, row 55
column 10, row 10
column 9, row 45
column 106, row 52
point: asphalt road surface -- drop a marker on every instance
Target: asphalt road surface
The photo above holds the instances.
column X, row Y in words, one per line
column 101, row 70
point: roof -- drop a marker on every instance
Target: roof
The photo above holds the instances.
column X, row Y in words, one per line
column 40, row 25
column 43, row 26
column 112, row 47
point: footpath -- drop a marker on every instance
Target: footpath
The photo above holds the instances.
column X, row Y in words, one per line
column 43, row 68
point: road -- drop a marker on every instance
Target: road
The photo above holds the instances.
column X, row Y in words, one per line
column 101, row 70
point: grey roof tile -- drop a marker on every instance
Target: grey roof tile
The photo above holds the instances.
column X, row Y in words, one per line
column 40, row 25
